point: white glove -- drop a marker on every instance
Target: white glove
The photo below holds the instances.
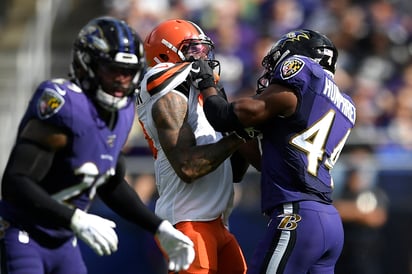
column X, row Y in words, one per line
column 178, row 246
column 98, row 233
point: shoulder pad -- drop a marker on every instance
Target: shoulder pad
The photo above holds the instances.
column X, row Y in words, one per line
column 166, row 76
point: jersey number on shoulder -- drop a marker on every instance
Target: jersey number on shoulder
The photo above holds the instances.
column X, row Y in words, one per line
column 312, row 141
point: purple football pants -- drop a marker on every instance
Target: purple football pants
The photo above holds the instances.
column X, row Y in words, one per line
column 301, row 238
column 21, row 254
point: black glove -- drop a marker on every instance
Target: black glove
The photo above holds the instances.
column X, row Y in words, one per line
column 202, row 75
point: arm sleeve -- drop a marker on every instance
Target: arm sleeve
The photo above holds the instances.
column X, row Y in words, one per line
column 239, row 166
column 118, row 195
column 27, row 165
column 220, row 114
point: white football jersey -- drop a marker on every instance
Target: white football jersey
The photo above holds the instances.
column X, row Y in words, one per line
column 206, row 198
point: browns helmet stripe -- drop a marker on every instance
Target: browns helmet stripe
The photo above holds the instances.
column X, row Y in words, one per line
column 197, row 27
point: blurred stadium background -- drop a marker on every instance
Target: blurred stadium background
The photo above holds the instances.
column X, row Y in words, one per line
column 374, row 38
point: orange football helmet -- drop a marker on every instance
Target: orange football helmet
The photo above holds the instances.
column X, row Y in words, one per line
column 175, row 41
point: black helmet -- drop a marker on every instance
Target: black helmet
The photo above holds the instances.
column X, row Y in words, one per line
column 303, row 42
column 109, row 42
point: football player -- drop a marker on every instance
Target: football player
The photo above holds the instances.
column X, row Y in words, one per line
column 68, row 150
column 305, row 121
column 192, row 166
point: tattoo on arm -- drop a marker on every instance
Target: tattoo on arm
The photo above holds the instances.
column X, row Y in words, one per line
column 190, row 161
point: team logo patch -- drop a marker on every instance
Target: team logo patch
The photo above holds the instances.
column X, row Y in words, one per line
column 291, row 67
column 289, row 221
column 49, row 103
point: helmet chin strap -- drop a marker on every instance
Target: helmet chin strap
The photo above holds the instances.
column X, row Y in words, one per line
column 109, row 102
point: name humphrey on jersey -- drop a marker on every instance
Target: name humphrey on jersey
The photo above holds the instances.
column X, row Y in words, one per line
column 343, row 104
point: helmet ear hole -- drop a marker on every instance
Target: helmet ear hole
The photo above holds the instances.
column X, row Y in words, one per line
column 164, row 57
column 86, row 84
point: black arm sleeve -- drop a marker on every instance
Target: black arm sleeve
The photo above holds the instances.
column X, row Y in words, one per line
column 220, row 114
column 28, row 164
column 118, row 195
column 239, row 166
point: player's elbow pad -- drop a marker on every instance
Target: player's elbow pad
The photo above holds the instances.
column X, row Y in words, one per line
column 220, row 114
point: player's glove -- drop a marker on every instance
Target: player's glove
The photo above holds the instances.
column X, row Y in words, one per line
column 178, row 246
column 98, row 233
column 202, row 75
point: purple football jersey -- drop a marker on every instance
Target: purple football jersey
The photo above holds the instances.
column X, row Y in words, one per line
column 86, row 163
column 299, row 151
column 305, row 233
